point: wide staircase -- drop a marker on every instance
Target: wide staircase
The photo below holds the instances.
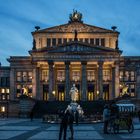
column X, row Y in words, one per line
column 42, row 108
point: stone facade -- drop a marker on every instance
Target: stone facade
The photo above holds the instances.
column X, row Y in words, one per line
column 74, row 53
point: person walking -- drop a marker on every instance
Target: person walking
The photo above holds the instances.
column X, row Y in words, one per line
column 63, row 125
column 106, row 117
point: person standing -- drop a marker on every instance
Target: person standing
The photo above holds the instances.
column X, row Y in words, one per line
column 63, row 125
column 106, row 117
column 70, row 122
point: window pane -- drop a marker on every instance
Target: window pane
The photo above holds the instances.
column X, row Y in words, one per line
column 102, row 42
column 54, row 42
column 97, row 41
column 48, row 42
column 59, row 41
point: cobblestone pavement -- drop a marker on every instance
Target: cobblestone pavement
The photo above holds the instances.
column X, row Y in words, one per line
column 24, row 129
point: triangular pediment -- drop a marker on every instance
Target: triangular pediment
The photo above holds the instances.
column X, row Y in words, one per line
column 79, row 47
column 71, row 27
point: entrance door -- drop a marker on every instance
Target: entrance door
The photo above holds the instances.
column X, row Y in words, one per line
column 106, row 91
column 45, row 92
column 61, row 91
column 90, row 94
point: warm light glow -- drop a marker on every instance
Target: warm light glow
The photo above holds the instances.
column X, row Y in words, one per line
column 2, row 90
column 2, row 109
column 53, row 93
column 97, row 92
column 7, row 90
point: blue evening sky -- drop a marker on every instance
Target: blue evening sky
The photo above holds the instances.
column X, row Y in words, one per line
column 18, row 18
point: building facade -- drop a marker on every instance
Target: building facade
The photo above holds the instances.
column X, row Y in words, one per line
column 73, row 53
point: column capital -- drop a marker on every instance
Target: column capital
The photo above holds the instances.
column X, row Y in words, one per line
column 100, row 63
column 67, row 62
column 84, row 62
column 50, row 62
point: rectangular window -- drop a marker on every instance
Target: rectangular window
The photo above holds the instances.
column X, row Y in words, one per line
column 48, row 42
column 90, row 75
column 92, row 41
column 3, row 81
column 121, row 75
column 2, row 90
column 30, row 76
column 106, row 75
column 81, row 39
column 60, row 75
column 59, row 41
column 40, row 42
column 76, row 76
column 70, row 39
column 45, row 75
column 102, row 42
column 54, row 42
column 86, row 40
column 24, row 76
column 97, row 41
column 132, row 76
column 65, row 40
column 132, row 87
column 126, row 76
column 19, row 76
column 7, row 90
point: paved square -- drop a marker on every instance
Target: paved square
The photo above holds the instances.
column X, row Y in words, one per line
column 9, row 134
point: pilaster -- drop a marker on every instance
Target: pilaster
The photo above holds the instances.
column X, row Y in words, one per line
column 67, row 81
column 84, row 81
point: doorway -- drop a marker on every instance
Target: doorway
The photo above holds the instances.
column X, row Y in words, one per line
column 90, row 93
column 106, row 91
column 61, row 91
column 45, row 92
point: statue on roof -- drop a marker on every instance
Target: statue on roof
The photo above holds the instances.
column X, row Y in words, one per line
column 75, row 16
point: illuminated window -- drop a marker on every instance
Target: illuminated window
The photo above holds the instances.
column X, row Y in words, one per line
column 132, row 89
column 3, row 109
column 30, row 76
column 3, row 97
column 60, row 75
column 106, row 75
column 19, row 76
column 2, row 90
column 45, row 75
column 132, row 75
column 90, row 75
column 121, row 75
column 7, row 90
column 76, row 76
column 126, row 76
column 24, row 76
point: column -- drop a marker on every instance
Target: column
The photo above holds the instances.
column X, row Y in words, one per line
column 12, row 84
column 36, row 84
column 100, row 79
column 112, row 96
column 117, row 79
column 51, row 80
column 67, row 81
column 138, row 81
column 84, row 81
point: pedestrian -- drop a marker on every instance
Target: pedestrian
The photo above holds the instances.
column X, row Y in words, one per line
column 70, row 122
column 106, row 117
column 63, row 125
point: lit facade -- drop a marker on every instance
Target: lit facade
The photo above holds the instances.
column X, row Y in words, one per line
column 74, row 53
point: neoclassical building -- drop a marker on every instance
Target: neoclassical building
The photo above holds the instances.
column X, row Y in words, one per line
column 73, row 53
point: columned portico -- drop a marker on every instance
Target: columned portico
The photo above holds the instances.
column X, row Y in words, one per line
column 100, row 79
